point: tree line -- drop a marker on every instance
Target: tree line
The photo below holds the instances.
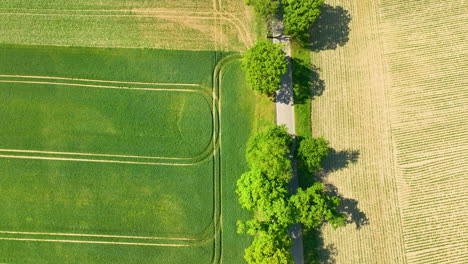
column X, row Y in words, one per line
column 265, row 62
column 264, row 191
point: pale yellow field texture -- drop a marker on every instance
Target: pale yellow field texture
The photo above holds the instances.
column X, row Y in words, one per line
column 396, row 101
column 186, row 25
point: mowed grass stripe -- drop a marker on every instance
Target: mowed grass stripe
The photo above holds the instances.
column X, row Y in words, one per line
column 429, row 123
column 93, row 235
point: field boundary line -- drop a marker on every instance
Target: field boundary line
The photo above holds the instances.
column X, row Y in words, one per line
column 96, row 235
column 94, row 242
column 92, row 80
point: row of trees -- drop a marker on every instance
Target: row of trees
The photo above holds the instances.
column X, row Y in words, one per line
column 298, row 15
column 264, row 191
column 264, row 188
column 265, row 62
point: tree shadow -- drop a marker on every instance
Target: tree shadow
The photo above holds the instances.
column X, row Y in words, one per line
column 331, row 29
column 338, row 160
column 307, row 82
column 349, row 207
column 315, row 250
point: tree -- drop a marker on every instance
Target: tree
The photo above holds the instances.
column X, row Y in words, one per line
column 264, row 8
column 312, row 206
column 311, row 152
column 264, row 63
column 264, row 190
column 299, row 15
column 269, row 249
column 268, row 152
column 264, row 187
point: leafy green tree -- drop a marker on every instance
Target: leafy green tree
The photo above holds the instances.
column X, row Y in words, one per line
column 264, row 63
column 264, row 8
column 312, row 206
column 299, row 15
column 311, row 152
column 264, row 187
column 268, row 152
column 269, row 249
column 264, row 190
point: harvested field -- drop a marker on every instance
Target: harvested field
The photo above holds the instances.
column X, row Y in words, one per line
column 188, row 25
column 394, row 109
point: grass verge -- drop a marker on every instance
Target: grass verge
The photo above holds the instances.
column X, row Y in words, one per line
column 301, row 73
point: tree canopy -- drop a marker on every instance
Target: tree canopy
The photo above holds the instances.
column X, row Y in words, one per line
column 264, row 190
column 299, row 15
column 264, row 63
column 311, row 152
column 264, row 8
column 311, row 206
column 269, row 249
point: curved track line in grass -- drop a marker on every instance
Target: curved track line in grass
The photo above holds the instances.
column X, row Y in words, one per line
column 94, row 242
column 95, row 235
column 101, row 81
column 198, row 158
column 217, row 189
column 247, row 38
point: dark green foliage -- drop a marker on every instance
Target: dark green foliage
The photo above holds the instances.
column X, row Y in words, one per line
column 299, row 15
column 264, row 63
column 266, row 9
column 311, row 152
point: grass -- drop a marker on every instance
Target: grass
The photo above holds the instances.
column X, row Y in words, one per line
column 301, row 71
column 188, row 25
column 57, row 196
column 106, row 121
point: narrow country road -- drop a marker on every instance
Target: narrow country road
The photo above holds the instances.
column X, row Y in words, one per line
column 285, row 116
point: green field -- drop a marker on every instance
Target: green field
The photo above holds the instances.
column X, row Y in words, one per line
column 121, row 155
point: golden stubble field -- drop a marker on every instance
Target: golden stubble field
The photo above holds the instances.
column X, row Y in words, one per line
column 395, row 108
column 225, row 25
